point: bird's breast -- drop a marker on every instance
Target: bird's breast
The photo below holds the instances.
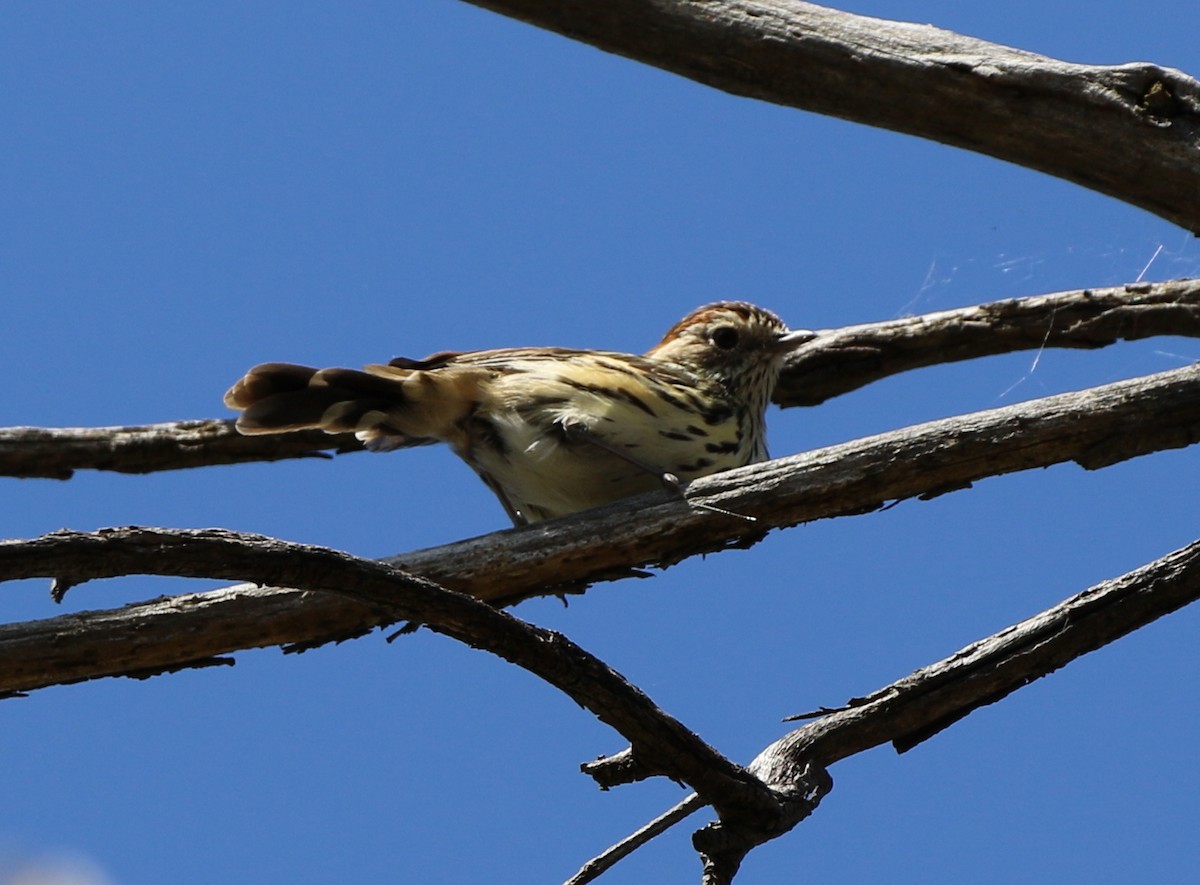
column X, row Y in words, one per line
column 638, row 426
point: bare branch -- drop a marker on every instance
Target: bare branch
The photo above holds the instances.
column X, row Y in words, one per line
column 839, row 361
column 1094, row 428
column 846, row 359
column 606, row 860
column 1053, row 116
column 915, row 708
column 57, row 452
column 659, row 740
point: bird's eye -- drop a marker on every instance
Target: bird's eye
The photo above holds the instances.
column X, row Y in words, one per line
column 725, row 337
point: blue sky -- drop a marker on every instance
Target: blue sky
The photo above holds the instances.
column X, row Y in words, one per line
column 191, row 189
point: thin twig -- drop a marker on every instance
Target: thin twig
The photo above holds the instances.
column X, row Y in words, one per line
column 610, row 857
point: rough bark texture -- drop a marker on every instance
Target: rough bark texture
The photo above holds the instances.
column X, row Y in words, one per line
column 787, row 781
column 934, row 697
column 842, row 360
column 661, row 742
column 1050, row 115
column 57, row 452
column 915, row 708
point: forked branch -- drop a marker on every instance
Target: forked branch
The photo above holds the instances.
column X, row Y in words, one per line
column 913, row 709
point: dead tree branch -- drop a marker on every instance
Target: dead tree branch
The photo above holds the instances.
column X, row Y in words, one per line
column 660, row 741
column 933, row 698
column 1045, row 114
column 57, row 452
column 915, row 708
column 1050, row 115
column 845, row 359
column 794, row 768
column 1093, row 428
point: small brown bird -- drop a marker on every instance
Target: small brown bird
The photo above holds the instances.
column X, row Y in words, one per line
column 552, row 430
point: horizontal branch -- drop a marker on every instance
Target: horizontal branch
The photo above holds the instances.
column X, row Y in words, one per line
column 1094, row 428
column 842, row 360
column 57, row 452
column 1050, row 115
column 839, row 361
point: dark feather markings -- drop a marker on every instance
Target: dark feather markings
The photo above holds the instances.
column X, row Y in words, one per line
column 277, row 397
column 353, row 383
column 296, row 408
column 676, row 434
column 687, row 399
column 266, row 380
column 539, row 403
column 433, row 361
column 673, row 401
column 716, row 415
column 621, row 367
column 484, row 431
column 347, row 415
column 611, row 393
column 635, row 400
column 707, row 397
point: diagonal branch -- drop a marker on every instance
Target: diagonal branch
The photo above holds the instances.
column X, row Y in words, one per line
column 1093, row 428
column 915, row 708
column 839, row 361
column 1050, row 115
column 918, row 706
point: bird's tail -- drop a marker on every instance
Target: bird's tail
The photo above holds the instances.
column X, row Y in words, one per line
column 385, row 406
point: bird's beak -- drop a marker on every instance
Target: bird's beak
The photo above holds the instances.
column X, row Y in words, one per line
column 795, row 337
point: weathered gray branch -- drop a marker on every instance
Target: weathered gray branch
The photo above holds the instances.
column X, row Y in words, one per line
column 1060, row 118
column 57, row 452
column 1093, row 428
column 845, row 359
column 934, row 697
column 841, row 360
column 605, row 861
column 660, row 740
column 918, row 706
column 915, row 708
